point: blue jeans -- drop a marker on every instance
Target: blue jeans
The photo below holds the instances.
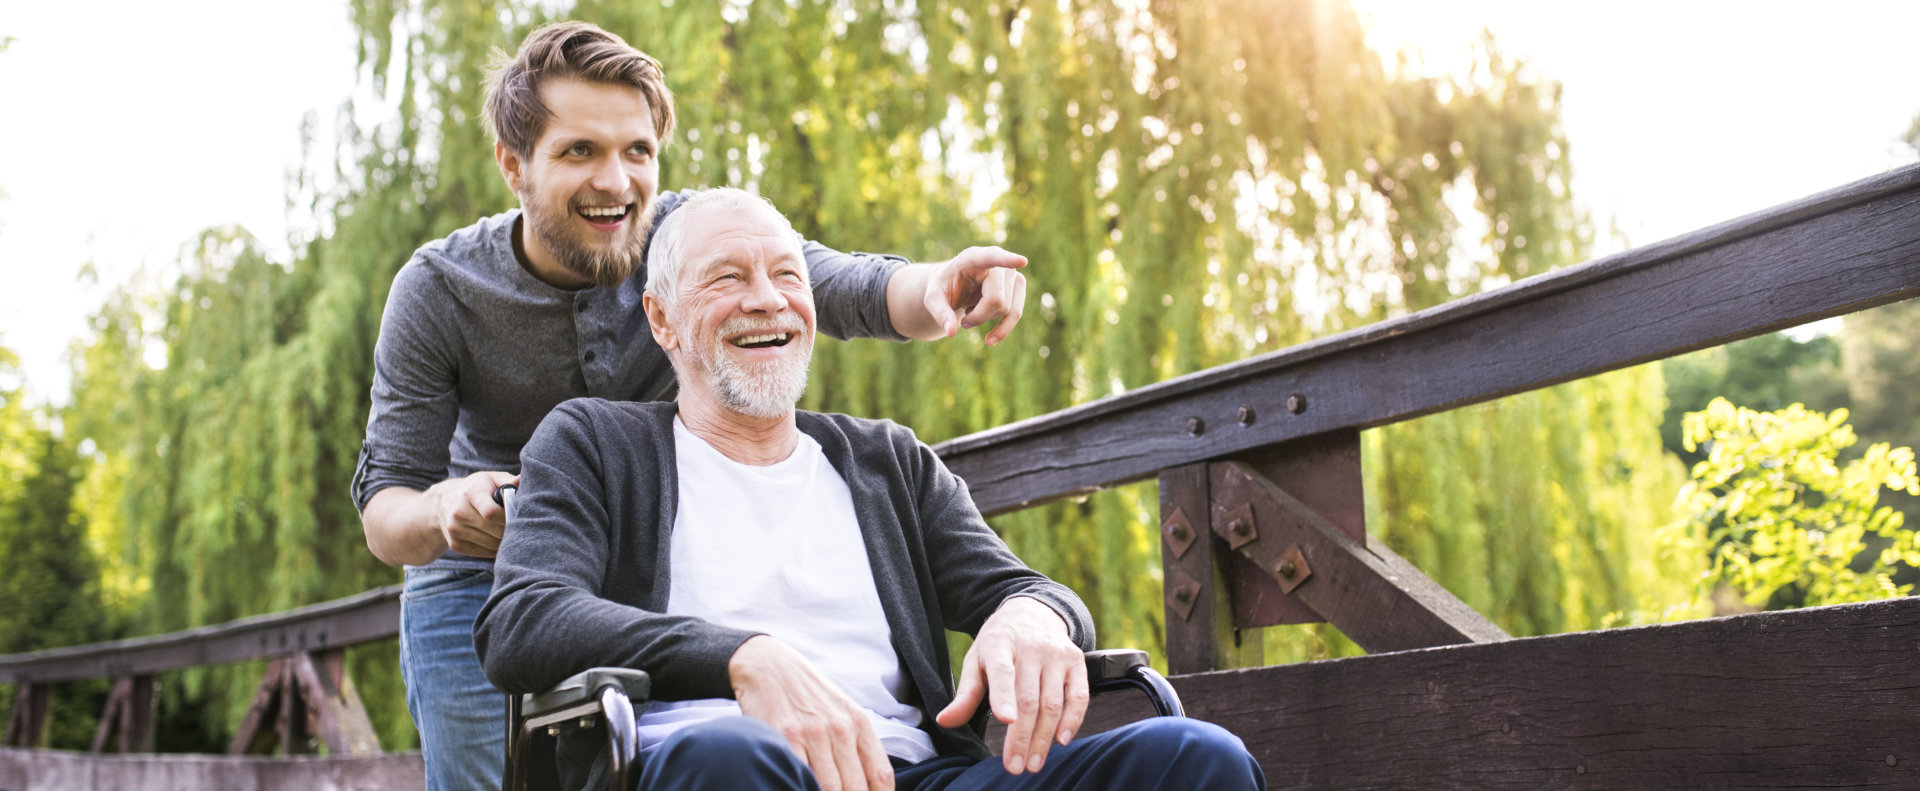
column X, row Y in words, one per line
column 1158, row 754
column 461, row 717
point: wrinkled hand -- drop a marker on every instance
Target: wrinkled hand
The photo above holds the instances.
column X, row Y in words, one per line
column 466, row 515
column 978, row 286
column 1033, row 676
column 832, row 735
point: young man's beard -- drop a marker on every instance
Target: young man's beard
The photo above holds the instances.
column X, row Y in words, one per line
column 606, row 267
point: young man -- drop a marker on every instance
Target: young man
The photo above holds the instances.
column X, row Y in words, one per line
column 488, row 329
column 787, row 578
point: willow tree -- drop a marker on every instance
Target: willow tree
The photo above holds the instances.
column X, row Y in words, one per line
column 1195, row 182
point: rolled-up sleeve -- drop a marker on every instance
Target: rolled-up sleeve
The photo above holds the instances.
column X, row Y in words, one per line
column 415, row 402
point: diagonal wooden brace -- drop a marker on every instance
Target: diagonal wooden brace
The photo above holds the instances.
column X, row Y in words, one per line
column 1373, row 596
column 337, row 716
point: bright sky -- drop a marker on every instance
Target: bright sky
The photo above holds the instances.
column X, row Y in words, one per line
column 133, row 126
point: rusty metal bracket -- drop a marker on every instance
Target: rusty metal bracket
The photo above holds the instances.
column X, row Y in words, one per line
column 1291, row 569
column 1183, row 592
column 1241, row 530
column 1179, row 533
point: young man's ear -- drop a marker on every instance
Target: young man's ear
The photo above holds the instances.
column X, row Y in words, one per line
column 510, row 163
column 657, row 321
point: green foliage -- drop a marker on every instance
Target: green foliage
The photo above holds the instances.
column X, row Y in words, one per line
column 1766, row 373
column 1788, row 522
column 49, row 580
column 1194, row 183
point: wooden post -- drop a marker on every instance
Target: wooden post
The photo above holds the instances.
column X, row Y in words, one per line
column 254, row 735
column 27, row 725
column 1200, row 631
column 337, row 715
column 129, row 713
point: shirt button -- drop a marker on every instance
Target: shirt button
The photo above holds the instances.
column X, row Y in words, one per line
column 589, row 355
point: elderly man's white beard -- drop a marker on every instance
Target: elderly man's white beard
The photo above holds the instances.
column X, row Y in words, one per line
column 760, row 390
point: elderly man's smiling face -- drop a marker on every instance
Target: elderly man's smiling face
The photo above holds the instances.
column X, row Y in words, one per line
column 740, row 325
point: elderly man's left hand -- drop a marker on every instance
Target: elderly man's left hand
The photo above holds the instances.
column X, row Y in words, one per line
column 979, row 286
column 1033, row 676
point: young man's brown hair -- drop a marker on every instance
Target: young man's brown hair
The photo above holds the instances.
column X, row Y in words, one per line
column 568, row 50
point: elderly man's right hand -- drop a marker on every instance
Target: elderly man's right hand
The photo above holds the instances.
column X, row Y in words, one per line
column 468, row 517
column 776, row 685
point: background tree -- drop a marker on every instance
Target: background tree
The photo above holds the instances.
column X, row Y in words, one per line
column 1195, row 182
column 1787, row 521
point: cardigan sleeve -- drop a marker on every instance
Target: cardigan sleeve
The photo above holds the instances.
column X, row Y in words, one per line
column 974, row 571
column 548, row 616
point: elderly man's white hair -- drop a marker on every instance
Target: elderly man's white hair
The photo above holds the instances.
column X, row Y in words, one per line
column 668, row 248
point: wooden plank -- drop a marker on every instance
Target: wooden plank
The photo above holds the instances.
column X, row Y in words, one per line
column 1845, row 250
column 59, row 770
column 1200, row 633
column 1323, row 473
column 361, row 618
column 1372, row 595
column 258, row 731
column 340, row 719
column 1818, row 698
column 27, row 723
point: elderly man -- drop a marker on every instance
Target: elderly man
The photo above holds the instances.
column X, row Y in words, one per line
column 796, row 568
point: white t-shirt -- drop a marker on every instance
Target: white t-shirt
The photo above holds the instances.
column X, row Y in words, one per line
column 777, row 549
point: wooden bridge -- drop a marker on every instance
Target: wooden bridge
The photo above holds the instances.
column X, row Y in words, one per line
column 1262, row 523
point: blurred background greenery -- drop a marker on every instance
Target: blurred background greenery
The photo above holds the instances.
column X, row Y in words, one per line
column 1197, row 182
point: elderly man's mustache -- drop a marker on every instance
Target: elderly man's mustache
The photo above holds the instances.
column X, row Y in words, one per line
column 755, row 332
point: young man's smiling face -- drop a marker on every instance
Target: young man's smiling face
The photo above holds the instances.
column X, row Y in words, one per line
column 586, row 189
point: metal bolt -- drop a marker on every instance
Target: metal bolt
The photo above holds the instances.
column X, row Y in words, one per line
column 1891, row 760
column 1179, row 531
column 1239, row 528
column 1196, row 426
column 1296, row 403
column 553, row 730
column 1287, row 569
column 1246, row 415
column 1580, row 770
column 1182, row 594
column 1506, row 727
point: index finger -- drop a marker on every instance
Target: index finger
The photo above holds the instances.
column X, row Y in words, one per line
column 988, row 258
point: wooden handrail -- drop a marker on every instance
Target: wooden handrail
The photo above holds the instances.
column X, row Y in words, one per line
column 364, row 617
column 1847, row 249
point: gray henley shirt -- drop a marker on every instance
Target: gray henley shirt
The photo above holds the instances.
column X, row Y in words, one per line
column 474, row 351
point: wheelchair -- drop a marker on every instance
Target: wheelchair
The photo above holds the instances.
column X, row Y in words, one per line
column 608, row 699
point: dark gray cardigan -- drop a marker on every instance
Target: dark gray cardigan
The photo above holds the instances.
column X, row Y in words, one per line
column 582, row 578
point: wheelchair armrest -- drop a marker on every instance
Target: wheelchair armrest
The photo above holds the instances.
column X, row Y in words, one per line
column 599, row 696
column 1115, row 669
column 583, row 689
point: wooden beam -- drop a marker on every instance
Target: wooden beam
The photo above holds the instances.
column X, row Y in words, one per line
column 361, row 618
column 1844, row 250
column 1818, row 698
column 27, row 723
column 128, row 715
column 1374, row 597
column 1200, row 631
column 340, row 719
column 1323, row 473
column 37, row 769
column 259, row 732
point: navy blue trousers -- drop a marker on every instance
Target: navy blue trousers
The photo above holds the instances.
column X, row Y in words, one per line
column 1158, row 754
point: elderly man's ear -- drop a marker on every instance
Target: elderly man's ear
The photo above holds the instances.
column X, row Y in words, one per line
column 657, row 321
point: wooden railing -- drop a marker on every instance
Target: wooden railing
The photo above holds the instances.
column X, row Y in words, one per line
column 1263, row 523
